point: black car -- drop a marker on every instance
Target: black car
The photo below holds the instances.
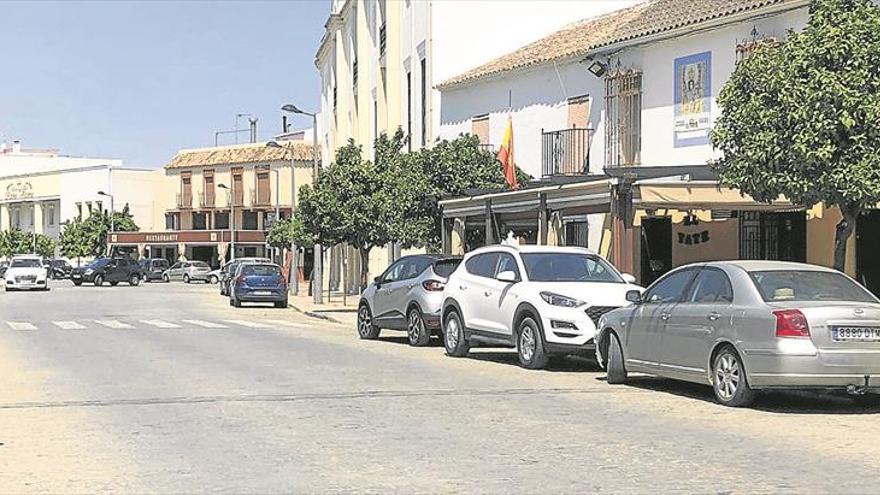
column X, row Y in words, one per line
column 59, row 269
column 153, row 268
column 112, row 270
column 258, row 282
column 3, row 266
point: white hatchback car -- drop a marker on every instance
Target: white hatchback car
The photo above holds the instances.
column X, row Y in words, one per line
column 26, row 272
column 543, row 300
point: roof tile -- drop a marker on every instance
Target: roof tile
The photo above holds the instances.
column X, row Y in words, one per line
column 239, row 154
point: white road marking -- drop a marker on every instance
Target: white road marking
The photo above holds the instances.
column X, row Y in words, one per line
column 285, row 323
column 160, row 324
column 204, row 324
column 21, row 325
column 68, row 325
column 113, row 324
column 245, row 323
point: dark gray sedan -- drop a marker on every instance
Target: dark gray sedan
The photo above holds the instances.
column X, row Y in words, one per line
column 743, row 326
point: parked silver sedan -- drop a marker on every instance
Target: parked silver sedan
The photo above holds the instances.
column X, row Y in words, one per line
column 743, row 326
column 187, row 271
column 407, row 296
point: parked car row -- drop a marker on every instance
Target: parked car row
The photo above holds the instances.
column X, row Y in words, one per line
column 253, row 280
column 738, row 326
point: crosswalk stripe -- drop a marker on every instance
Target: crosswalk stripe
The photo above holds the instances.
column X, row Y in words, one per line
column 204, row 324
column 245, row 323
column 160, row 324
column 21, row 325
column 68, row 325
column 285, row 323
column 113, row 324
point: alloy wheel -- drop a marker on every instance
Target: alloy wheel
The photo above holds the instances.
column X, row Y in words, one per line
column 527, row 342
column 365, row 322
column 727, row 376
column 416, row 327
column 452, row 333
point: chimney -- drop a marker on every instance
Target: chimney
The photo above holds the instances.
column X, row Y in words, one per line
column 16, row 146
column 284, row 124
column 253, row 130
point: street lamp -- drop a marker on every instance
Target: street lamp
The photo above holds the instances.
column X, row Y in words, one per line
column 231, row 202
column 317, row 272
column 112, row 223
column 294, row 281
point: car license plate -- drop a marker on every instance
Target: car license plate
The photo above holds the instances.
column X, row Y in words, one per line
column 855, row 334
column 77, row 276
column 262, row 293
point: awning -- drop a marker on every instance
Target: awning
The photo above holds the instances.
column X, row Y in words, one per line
column 680, row 193
column 559, row 196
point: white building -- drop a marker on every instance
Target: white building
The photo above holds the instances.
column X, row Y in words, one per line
column 41, row 189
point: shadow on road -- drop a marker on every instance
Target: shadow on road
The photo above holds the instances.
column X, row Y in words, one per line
column 784, row 402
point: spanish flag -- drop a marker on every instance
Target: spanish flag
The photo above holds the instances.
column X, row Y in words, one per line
column 505, row 156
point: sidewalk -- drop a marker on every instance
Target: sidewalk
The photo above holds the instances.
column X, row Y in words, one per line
column 332, row 311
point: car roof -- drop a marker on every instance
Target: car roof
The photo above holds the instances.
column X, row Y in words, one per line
column 763, row 265
column 532, row 248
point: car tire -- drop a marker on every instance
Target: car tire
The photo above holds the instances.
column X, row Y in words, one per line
column 212, row 279
column 78, row 283
column 186, row 278
column 134, row 281
column 281, row 304
column 231, row 303
column 616, row 374
column 417, row 334
column 99, row 280
column 729, row 379
column 223, row 290
column 365, row 327
column 453, row 336
column 236, row 303
column 530, row 345
column 166, row 278
column 145, row 278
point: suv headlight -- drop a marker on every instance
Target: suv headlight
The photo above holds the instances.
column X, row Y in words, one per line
column 560, row 300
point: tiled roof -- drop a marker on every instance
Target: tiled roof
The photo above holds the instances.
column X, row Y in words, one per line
column 643, row 19
column 240, row 153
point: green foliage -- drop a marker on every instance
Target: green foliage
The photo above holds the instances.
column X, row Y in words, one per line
column 76, row 241
column 82, row 238
column 45, row 246
column 802, row 119
column 16, row 241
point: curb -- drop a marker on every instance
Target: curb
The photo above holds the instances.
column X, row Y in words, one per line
column 316, row 315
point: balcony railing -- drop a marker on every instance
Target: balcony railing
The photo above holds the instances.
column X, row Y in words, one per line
column 256, row 200
column 566, row 152
column 382, row 36
column 206, row 201
column 184, row 201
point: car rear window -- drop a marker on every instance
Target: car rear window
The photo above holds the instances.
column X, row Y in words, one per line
column 260, row 270
column 200, row 264
column 802, row 285
column 444, row 268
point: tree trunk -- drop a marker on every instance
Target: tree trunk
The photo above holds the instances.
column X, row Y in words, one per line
column 845, row 228
column 365, row 266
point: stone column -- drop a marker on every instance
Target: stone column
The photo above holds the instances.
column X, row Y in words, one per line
column 38, row 217
column 457, row 240
column 4, row 216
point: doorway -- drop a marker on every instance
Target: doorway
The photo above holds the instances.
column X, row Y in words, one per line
column 867, row 245
column 656, row 248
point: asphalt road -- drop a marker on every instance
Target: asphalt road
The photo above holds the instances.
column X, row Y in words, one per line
column 165, row 388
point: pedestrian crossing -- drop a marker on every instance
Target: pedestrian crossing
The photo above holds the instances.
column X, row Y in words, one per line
column 156, row 324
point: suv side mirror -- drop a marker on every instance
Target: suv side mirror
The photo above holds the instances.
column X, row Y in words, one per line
column 378, row 280
column 628, row 278
column 508, row 276
column 634, row 296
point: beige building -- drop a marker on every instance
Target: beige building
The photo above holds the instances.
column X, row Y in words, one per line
column 210, row 198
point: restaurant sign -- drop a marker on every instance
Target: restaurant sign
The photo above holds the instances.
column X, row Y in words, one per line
column 19, row 190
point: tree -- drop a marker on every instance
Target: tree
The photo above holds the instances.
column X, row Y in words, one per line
column 802, row 119
column 16, row 241
column 88, row 237
column 44, row 245
column 76, row 241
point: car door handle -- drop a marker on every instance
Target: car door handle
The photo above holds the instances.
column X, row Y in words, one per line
column 487, row 293
column 713, row 316
column 462, row 287
column 664, row 316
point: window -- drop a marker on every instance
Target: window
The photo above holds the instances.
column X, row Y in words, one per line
column 260, row 270
column 99, row 205
column 199, row 221
column 221, row 220
column 444, row 268
column 670, row 288
column 623, row 120
column 483, row 265
column 394, row 272
column 568, row 267
column 579, row 112
column 790, row 285
column 172, row 221
column 79, row 210
column 248, row 220
column 424, row 108
column 416, row 266
column 711, row 286
column 480, row 128
column 507, row 263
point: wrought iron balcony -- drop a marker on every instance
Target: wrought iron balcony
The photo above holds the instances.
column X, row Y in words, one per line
column 184, row 201
column 206, row 201
column 566, row 152
column 256, row 200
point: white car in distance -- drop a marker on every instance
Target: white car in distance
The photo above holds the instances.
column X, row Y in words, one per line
column 542, row 300
column 26, row 273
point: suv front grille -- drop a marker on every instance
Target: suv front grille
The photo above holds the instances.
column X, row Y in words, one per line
column 596, row 312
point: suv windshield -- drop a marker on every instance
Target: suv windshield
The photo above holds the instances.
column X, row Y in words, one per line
column 260, row 270
column 569, row 267
column 99, row 263
column 26, row 263
column 789, row 285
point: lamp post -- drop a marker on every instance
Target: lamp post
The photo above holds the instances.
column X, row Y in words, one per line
column 112, row 222
column 294, row 280
column 317, row 272
column 231, row 202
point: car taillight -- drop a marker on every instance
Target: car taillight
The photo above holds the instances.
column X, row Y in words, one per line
column 433, row 285
column 791, row 323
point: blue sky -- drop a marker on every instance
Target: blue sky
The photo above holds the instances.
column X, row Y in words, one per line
column 140, row 80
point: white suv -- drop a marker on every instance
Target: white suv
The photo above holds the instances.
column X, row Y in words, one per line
column 542, row 300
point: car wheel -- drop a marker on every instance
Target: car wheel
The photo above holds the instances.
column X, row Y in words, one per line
column 230, row 302
column 77, row 283
column 281, row 304
column 530, row 345
column 145, row 278
column 99, row 280
column 166, row 278
column 366, row 329
column 212, row 279
column 186, row 279
column 236, row 303
column 453, row 336
column 223, row 290
column 729, row 379
column 616, row 374
column 419, row 336
column 134, row 281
